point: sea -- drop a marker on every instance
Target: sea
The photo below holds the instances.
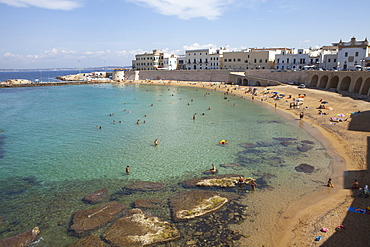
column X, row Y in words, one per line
column 60, row 143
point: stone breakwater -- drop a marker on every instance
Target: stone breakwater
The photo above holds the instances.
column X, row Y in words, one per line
column 41, row 84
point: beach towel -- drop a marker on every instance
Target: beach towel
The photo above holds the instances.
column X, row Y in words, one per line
column 357, row 210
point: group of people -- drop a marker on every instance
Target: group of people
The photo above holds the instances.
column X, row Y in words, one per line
column 362, row 192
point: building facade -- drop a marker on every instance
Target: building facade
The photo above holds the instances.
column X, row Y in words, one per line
column 250, row 59
column 353, row 54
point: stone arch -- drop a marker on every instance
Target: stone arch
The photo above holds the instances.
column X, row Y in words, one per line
column 239, row 81
column 365, row 87
column 333, row 83
column 323, row 81
column 258, row 83
column 356, row 88
column 344, row 85
column 245, row 82
column 314, row 81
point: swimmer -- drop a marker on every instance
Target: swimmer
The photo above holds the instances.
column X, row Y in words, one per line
column 241, row 181
column 128, row 169
column 214, row 169
column 156, row 142
column 138, row 121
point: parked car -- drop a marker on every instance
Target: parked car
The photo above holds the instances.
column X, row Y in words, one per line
column 301, row 86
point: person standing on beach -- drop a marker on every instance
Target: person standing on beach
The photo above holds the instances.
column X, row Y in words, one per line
column 301, row 115
column 253, row 185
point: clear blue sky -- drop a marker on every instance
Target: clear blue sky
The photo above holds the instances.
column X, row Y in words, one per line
column 59, row 33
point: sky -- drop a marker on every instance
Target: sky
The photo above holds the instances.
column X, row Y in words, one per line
column 41, row 34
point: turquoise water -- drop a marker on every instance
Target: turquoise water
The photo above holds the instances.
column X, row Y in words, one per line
column 52, row 151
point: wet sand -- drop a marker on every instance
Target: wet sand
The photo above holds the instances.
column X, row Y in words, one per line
column 299, row 223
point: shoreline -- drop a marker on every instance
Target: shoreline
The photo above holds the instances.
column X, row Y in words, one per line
column 300, row 222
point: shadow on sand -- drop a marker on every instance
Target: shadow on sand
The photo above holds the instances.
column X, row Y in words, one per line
column 357, row 225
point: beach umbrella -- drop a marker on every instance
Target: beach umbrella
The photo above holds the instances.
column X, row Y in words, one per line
column 282, row 94
column 275, row 92
column 341, row 115
column 324, row 102
column 299, row 100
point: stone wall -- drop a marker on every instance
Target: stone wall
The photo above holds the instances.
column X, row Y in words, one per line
column 181, row 75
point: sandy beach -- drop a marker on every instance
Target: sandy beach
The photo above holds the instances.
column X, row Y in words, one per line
column 346, row 139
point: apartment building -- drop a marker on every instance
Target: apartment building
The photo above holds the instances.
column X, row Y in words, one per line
column 250, row 59
column 155, row 60
column 292, row 59
column 353, row 54
column 201, row 59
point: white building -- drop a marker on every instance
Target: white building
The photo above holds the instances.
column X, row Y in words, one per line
column 204, row 58
column 292, row 59
column 155, row 60
column 353, row 54
column 169, row 62
column 328, row 57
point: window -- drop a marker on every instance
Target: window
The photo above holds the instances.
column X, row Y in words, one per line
column 287, row 60
column 265, row 60
column 255, row 60
column 294, row 60
column 335, row 60
column 200, row 60
column 229, row 59
column 234, row 60
column 346, row 54
column 329, row 60
column 356, row 54
column 225, row 60
column 239, row 59
column 260, row 60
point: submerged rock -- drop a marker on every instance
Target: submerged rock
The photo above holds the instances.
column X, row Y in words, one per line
column 285, row 139
column 235, row 166
column 145, row 186
column 305, row 147
column 96, row 197
column 305, row 168
column 147, row 203
column 22, row 239
column 191, row 204
column 86, row 221
column 140, row 229
column 92, row 241
column 308, row 142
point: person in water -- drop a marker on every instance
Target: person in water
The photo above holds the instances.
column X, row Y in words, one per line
column 253, row 184
column 214, row 169
column 128, row 169
column 156, row 142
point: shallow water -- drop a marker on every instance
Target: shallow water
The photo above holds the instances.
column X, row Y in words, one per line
column 52, row 151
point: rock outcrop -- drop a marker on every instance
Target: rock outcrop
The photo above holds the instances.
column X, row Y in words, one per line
column 222, row 181
column 96, row 197
column 86, row 221
column 23, row 239
column 137, row 228
column 191, row 204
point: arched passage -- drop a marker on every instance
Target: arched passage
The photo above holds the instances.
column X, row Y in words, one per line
column 365, row 87
column 245, row 82
column 344, row 85
column 356, row 88
column 258, row 83
column 239, row 81
column 314, row 81
column 323, row 81
column 333, row 83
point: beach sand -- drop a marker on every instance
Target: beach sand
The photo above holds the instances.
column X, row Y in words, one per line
column 347, row 142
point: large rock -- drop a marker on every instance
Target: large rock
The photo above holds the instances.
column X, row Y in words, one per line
column 96, row 197
column 145, row 186
column 305, row 168
column 22, row 239
column 222, row 182
column 137, row 228
column 191, row 204
column 225, row 181
column 86, row 221
column 90, row 241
